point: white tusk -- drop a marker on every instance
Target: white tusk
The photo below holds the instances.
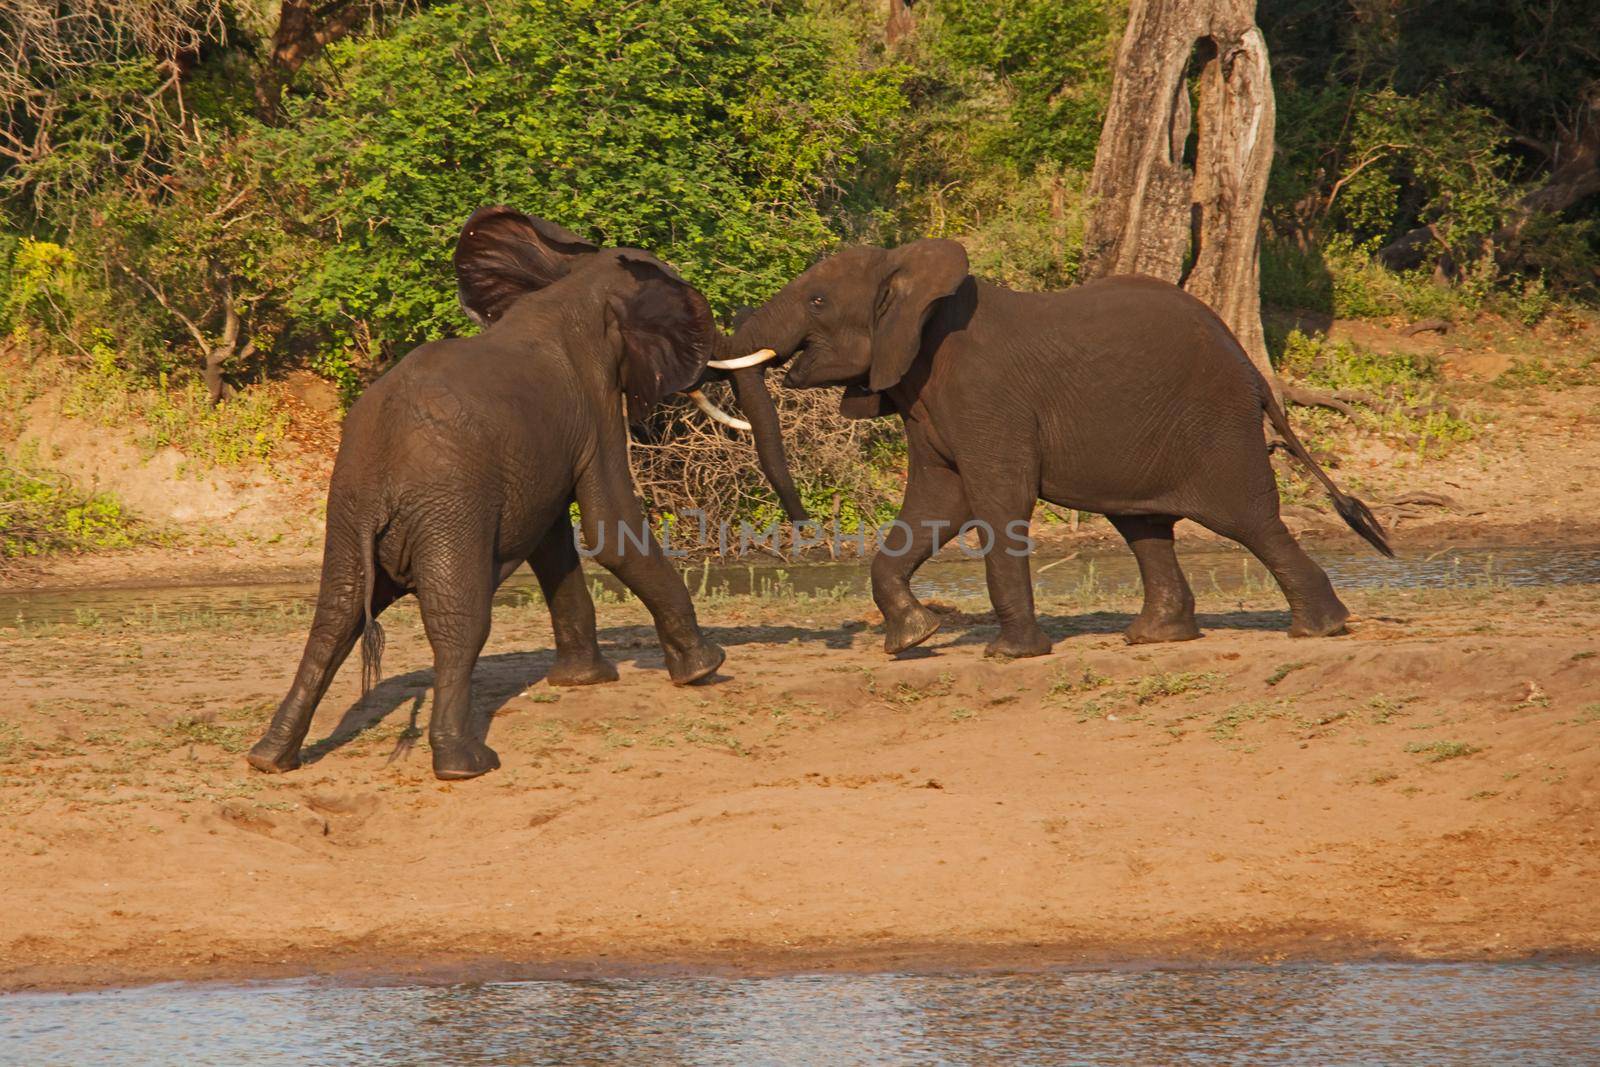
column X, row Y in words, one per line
column 754, row 359
column 715, row 412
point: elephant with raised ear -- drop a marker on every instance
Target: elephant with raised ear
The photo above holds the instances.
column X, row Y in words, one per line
column 462, row 461
column 1125, row 396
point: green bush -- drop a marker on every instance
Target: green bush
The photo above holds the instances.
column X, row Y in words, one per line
column 249, row 425
column 1294, row 277
column 1052, row 58
column 1393, row 393
column 713, row 132
column 42, row 512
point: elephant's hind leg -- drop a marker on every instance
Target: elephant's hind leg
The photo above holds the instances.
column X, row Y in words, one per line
column 1315, row 610
column 560, row 572
column 455, row 590
column 335, row 628
column 1168, row 613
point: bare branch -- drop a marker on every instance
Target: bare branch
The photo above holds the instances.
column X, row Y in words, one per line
column 161, row 298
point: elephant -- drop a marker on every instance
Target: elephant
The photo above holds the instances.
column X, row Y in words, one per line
column 462, row 461
column 1124, row 396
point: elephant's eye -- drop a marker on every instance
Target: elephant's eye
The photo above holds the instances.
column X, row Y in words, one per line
column 816, row 303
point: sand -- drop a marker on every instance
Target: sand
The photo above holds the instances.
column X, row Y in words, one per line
column 1425, row 787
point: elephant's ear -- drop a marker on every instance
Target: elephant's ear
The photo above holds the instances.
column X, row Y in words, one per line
column 502, row 254
column 666, row 333
column 916, row 277
column 859, row 402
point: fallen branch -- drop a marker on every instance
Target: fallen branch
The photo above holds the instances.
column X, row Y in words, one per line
column 1427, row 326
column 1433, row 500
column 1339, row 401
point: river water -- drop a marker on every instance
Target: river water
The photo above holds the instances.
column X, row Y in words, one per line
column 1466, row 1013
column 1212, row 572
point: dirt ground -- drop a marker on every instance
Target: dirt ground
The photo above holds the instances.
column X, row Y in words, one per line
column 1426, row 787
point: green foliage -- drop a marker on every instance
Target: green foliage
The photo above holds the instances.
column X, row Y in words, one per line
column 995, row 147
column 42, row 512
column 1052, row 60
column 1031, row 236
column 1400, row 114
column 247, row 426
column 38, row 276
column 1395, row 393
column 1445, row 158
column 711, row 132
column 1342, row 365
column 1341, row 278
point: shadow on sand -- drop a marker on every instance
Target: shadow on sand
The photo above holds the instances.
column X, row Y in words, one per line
column 499, row 678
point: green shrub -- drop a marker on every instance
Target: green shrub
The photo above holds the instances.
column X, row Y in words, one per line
column 42, row 512
column 1395, row 393
column 1342, row 365
column 1052, row 60
column 249, row 425
column 1294, row 277
column 713, row 132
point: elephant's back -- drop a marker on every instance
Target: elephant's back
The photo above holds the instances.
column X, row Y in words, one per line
column 1134, row 385
column 452, row 412
column 1153, row 327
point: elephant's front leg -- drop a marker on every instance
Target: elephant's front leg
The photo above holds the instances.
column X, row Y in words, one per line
column 935, row 506
column 620, row 539
column 556, row 564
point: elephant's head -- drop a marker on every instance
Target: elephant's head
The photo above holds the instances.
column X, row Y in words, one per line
column 856, row 319
column 660, row 325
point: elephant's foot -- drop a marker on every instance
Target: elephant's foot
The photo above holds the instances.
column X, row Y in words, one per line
column 273, row 757
column 594, row 670
column 456, row 758
column 1019, row 646
column 1325, row 621
column 700, row 662
column 1147, row 631
column 908, row 630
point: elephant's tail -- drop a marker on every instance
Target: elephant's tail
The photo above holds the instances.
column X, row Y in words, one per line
column 1359, row 517
column 371, row 633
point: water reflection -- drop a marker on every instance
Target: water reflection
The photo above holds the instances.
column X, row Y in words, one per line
column 1373, row 1013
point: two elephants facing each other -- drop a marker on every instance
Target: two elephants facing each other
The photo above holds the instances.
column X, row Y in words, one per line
column 1124, row 396
column 463, row 460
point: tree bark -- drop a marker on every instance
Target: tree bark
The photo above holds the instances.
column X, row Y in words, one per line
column 900, row 21
column 1195, row 224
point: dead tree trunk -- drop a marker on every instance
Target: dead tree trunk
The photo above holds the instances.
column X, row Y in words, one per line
column 1157, row 210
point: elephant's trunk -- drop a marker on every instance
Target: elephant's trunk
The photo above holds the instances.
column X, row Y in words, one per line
column 750, row 385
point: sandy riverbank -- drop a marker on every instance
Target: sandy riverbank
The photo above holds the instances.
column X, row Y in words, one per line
column 1428, row 786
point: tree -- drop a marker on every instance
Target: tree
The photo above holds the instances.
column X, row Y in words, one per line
column 304, row 29
column 1179, row 204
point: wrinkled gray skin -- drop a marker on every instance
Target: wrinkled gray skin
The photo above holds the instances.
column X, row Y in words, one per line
column 1125, row 396
column 461, row 462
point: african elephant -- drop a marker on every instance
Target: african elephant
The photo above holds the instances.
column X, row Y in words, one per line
column 462, row 461
column 1124, row 396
